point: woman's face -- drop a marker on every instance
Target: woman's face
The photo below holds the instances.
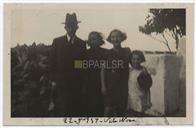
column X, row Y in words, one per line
column 93, row 40
column 116, row 38
column 136, row 61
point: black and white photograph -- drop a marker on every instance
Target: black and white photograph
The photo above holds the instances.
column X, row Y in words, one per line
column 124, row 63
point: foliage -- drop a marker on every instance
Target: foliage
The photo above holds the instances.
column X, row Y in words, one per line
column 166, row 21
column 30, row 85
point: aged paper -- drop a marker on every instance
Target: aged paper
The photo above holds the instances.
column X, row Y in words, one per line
column 17, row 18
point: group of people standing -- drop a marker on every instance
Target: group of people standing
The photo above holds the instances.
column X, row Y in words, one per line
column 97, row 91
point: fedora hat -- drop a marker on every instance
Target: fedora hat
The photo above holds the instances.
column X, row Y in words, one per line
column 71, row 19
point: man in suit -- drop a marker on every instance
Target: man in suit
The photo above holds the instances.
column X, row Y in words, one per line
column 65, row 78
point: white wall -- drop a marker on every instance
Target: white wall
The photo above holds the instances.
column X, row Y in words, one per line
column 165, row 70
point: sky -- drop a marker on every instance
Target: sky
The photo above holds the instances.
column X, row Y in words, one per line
column 41, row 23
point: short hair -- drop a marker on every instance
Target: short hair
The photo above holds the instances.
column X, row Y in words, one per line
column 123, row 35
column 99, row 35
column 139, row 53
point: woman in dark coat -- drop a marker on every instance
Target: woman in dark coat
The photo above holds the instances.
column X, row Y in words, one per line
column 94, row 56
column 117, row 75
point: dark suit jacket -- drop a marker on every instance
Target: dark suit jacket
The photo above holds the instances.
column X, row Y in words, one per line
column 62, row 58
column 69, row 79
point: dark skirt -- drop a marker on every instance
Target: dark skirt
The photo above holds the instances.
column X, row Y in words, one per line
column 94, row 97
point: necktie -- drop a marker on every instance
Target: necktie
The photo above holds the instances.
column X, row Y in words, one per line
column 71, row 40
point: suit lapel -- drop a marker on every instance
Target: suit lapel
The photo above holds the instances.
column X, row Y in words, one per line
column 65, row 41
column 76, row 46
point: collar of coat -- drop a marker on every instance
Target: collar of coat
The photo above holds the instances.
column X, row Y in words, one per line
column 69, row 38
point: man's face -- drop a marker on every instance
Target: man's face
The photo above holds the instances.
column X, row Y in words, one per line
column 71, row 29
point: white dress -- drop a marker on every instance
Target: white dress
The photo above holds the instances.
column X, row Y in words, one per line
column 138, row 99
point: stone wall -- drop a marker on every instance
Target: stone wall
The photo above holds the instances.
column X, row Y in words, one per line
column 168, row 72
column 165, row 91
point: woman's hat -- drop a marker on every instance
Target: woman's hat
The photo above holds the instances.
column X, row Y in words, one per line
column 71, row 19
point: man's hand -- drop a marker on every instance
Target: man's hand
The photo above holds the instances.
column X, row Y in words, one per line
column 53, row 84
column 51, row 106
column 103, row 90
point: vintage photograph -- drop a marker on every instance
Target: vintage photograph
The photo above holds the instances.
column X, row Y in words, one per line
column 103, row 61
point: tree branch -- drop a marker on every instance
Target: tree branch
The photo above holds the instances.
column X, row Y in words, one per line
column 173, row 35
column 170, row 33
column 167, row 43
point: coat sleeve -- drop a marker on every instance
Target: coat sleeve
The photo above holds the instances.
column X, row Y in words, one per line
column 128, row 54
column 145, row 80
column 53, row 61
column 84, row 46
column 83, row 72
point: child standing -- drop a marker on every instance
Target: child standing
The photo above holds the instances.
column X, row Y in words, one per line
column 94, row 97
column 139, row 85
column 117, row 75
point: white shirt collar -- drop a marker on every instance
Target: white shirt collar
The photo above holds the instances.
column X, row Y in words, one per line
column 68, row 38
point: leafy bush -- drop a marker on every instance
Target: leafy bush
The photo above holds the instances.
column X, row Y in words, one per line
column 30, row 84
